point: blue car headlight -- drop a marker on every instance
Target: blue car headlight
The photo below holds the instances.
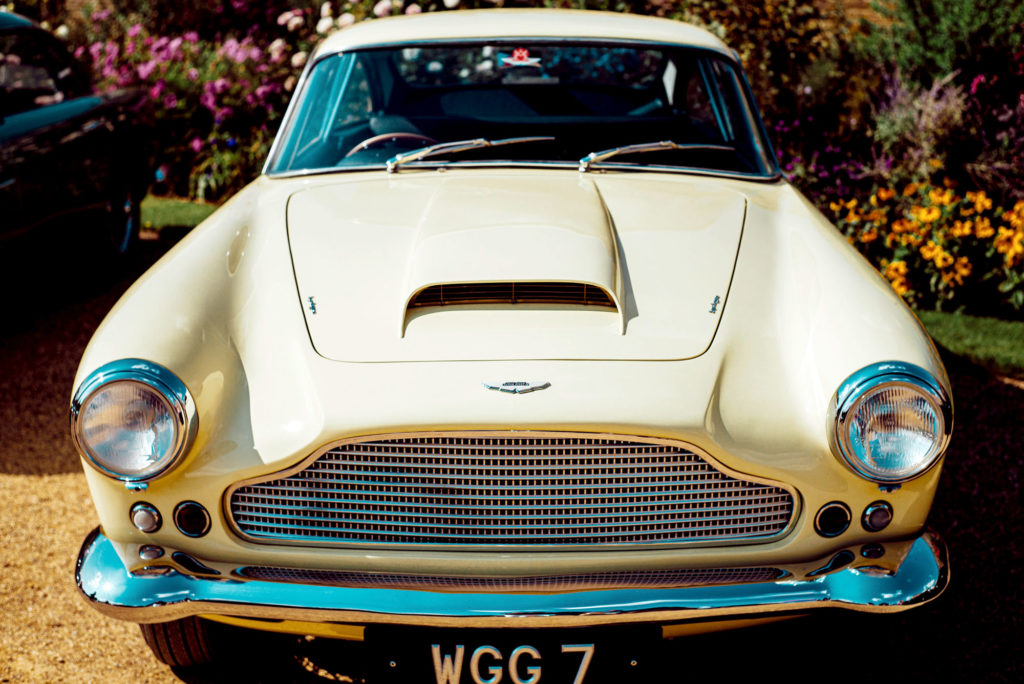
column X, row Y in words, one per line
column 133, row 419
column 890, row 422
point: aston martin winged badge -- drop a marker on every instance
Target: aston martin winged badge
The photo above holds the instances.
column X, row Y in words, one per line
column 518, row 386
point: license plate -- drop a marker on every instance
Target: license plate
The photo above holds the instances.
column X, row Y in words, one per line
column 517, row 656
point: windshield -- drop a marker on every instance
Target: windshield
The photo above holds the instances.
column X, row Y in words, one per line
column 364, row 107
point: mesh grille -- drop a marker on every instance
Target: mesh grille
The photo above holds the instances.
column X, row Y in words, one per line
column 542, row 583
column 509, row 490
column 455, row 294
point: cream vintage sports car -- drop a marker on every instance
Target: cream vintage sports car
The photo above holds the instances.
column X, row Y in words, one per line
column 520, row 331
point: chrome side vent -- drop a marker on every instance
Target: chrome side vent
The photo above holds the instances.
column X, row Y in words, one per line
column 461, row 294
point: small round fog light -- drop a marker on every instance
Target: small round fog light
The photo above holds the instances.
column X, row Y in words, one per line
column 832, row 519
column 150, row 552
column 877, row 516
column 145, row 517
column 192, row 519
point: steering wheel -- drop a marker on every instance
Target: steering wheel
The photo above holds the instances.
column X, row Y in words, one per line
column 383, row 138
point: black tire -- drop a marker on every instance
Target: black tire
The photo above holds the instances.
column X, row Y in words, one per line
column 181, row 643
column 123, row 219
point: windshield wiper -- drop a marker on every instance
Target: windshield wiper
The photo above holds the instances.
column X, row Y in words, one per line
column 457, row 146
column 595, row 157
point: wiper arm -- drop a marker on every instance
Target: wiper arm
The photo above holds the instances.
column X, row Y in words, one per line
column 457, row 146
column 595, row 157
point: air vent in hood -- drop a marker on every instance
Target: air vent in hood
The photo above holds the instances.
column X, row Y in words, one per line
column 460, row 294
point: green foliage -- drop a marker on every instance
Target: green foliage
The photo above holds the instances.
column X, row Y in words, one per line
column 928, row 39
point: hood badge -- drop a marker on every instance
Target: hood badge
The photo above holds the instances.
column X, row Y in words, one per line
column 714, row 304
column 517, row 386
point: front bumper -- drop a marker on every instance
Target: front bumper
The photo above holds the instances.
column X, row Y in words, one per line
column 115, row 591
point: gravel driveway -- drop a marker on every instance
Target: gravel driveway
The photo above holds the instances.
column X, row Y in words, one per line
column 49, row 634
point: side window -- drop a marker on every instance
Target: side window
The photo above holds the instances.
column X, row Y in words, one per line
column 27, row 73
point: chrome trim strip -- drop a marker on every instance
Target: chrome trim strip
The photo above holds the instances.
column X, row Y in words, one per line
column 711, row 462
column 870, row 377
column 113, row 590
column 153, row 375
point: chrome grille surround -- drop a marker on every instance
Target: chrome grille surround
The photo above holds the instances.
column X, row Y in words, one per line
column 696, row 577
column 514, row 490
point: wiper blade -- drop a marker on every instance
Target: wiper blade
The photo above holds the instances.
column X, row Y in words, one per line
column 595, row 157
column 457, row 146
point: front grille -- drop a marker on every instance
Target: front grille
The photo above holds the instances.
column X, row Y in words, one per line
column 540, row 583
column 499, row 489
column 456, row 294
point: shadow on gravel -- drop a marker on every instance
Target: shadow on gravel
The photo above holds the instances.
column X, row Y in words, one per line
column 55, row 290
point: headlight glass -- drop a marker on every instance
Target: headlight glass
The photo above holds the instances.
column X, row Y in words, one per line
column 892, row 422
column 128, row 428
column 132, row 419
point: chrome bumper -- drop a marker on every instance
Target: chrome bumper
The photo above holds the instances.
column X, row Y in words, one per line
column 113, row 590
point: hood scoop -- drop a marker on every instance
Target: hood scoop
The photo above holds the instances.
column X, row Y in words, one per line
column 517, row 265
column 464, row 294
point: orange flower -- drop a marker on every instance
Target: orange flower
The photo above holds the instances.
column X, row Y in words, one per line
column 902, row 225
column 1004, row 241
column 886, row 194
column 941, row 197
column 981, row 202
column 851, row 216
column 983, row 228
column 851, row 204
column 896, row 269
column 931, row 250
column 876, row 216
column 910, row 190
column 835, row 206
column 943, row 259
column 963, row 267
column 901, row 285
column 926, row 214
column 962, row 228
column 869, row 235
column 911, row 240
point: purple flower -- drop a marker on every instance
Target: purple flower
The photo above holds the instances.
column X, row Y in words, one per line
column 978, row 80
column 232, row 143
column 96, row 49
column 79, row 51
column 191, row 37
column 193, row 74
column 196, row 144
column 157, row 90
column 102, row 15
column 146, row 69
column 171, row 101
column 209, row 101
column 135, row 30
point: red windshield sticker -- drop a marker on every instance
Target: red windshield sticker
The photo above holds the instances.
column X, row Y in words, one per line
column 520, row 57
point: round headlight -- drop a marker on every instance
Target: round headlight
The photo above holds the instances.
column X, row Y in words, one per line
column 891, row 422
column 132, row 419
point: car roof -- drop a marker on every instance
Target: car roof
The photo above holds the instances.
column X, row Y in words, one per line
column 518, row 23
column 10, row 20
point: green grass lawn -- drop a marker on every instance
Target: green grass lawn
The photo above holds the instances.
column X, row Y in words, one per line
column 161, row 212
column 996, row 344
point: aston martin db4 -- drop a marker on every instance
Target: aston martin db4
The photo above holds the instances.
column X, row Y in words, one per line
column 520, row 332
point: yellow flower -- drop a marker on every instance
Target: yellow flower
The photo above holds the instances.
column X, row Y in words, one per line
column 902, row 225
column 943, row 259
column 851, row 204
column 911, row 239
column 931, row 250
column 835, row 206
column 983, row 228
column 876, row 216
column 1004, row 241
column 935, row 163
column 940, row 197
column 981, row 202
column 1015, row 217
column 896, row 269
column 886, row 194
column 967, row 211
column 962, row 228
column 901, row 285
column 874, row 200
column 926, row 214
column 963, row 267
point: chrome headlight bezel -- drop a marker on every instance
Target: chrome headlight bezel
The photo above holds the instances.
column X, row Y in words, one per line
column 167, row 388
column 860, row 386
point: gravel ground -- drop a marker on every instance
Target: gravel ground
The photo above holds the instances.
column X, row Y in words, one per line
column 49, row 634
